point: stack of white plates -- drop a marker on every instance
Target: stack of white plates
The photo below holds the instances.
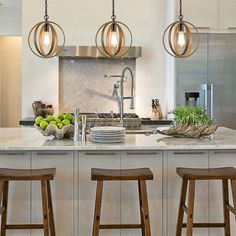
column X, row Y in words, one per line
column 107, row 134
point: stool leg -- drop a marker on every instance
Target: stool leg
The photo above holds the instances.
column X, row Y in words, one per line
column 97, row 211
column 145, row 208
column 181, row 204
column 189, row 230
column 50, row 209
column 45, row 207
column 141, row 208
column 4, row 207
column 226, row 210
column 233, row 186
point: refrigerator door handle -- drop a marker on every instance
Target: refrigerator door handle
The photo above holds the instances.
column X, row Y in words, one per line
column 208, row 98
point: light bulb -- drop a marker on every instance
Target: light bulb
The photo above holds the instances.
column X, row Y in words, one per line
column 114, row 39
column 181, row 40
column 46, row 38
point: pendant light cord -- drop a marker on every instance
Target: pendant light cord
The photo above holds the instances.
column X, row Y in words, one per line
column 113, row 17
column 180, row 10
column 46, row 17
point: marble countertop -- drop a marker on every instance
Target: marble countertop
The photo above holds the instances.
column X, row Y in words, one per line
column 27, row 139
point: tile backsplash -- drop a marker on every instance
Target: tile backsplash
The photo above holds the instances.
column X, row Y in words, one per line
column 82, row 84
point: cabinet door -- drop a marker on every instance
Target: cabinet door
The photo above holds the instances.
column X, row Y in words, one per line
column 130, row 213
column 62, row 190
column 19, row 192
column 227, row 14
column 110, row 213
column 201, row 13
column 220, row 159
column 172, row 184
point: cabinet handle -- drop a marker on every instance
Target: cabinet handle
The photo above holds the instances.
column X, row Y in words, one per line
column 51, row 154
column 142, row 153
column 232, row 28
column 203, row 28
column 12, row 154
column 100, row 153
column 225, row 152
column 189, row 153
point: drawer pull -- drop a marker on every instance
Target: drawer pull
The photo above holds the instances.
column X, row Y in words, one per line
column 225, row 152
column 12, row 154
column 100, row 153
column 232, row 28
column 51, row 154
column 142, row 153
column 189, row 153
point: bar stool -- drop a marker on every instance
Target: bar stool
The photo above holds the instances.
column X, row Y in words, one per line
column 140, row 175
column 191, row 175
column 42, row 175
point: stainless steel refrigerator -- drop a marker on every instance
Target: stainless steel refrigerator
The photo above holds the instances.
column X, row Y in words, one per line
column 208, row 78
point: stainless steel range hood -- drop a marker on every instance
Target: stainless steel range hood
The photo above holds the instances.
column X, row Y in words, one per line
column 92, row 52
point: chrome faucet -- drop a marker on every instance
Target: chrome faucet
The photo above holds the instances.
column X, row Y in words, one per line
column 121, row 86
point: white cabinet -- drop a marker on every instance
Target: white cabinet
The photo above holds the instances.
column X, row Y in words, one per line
column 110, row 213
column 62, row 190
column 201, row 13
column 172, row 187
column 220, row 159
column 130, row 213
column 19, row 192
column 227, row 14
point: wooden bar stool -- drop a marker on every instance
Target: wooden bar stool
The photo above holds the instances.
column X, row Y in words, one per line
column 42, row 175
column 189, row 176
column 140, row 175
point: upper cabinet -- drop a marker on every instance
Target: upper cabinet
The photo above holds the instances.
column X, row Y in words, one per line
column 227, row 16
column 201, row 13
column 210, row 14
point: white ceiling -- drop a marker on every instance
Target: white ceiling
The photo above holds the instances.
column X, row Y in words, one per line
column 11, row 3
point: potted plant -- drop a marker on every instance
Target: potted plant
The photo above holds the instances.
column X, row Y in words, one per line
column 191, row 122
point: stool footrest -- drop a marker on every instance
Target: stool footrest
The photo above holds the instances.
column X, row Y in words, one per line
column 121, row 226
column 25, row 226
column 232, row 209
column 206, row 225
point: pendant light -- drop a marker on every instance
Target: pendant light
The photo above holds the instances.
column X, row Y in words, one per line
column 178, row 38
column 44, row 39
column 113, row 37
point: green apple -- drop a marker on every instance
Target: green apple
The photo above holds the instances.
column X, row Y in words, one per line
column 66, row 122
column 58, row 121
column 60, row 125
column 60, row 116
column 53, row 122
column 68, row 116
column 73, row 120
column 38, row 120
column 50, row 118
column 43, row 124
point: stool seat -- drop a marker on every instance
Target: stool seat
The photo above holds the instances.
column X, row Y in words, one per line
column 207, row 174
column 27, row 175
column 121, row 174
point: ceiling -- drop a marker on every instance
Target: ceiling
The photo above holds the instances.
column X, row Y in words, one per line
column 11, row 3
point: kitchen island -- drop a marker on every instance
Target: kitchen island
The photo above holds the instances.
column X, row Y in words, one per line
column 74, row 193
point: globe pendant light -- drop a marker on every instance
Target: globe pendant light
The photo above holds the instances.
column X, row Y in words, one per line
column 44, row 38
column 113, row 37
column 178, row 37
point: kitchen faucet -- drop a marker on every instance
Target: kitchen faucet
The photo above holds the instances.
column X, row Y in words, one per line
column 121, row 86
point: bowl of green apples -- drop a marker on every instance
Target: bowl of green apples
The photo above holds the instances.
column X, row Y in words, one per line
column 61, row 126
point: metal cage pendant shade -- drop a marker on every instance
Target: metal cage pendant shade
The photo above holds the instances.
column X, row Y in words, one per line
column 181, row 38
column 44, row 37
column 113, row 37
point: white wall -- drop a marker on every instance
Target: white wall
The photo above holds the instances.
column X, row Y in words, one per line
column 10, row 17
column 80, row 20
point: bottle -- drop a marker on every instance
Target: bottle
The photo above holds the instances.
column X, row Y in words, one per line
column 76, row 125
